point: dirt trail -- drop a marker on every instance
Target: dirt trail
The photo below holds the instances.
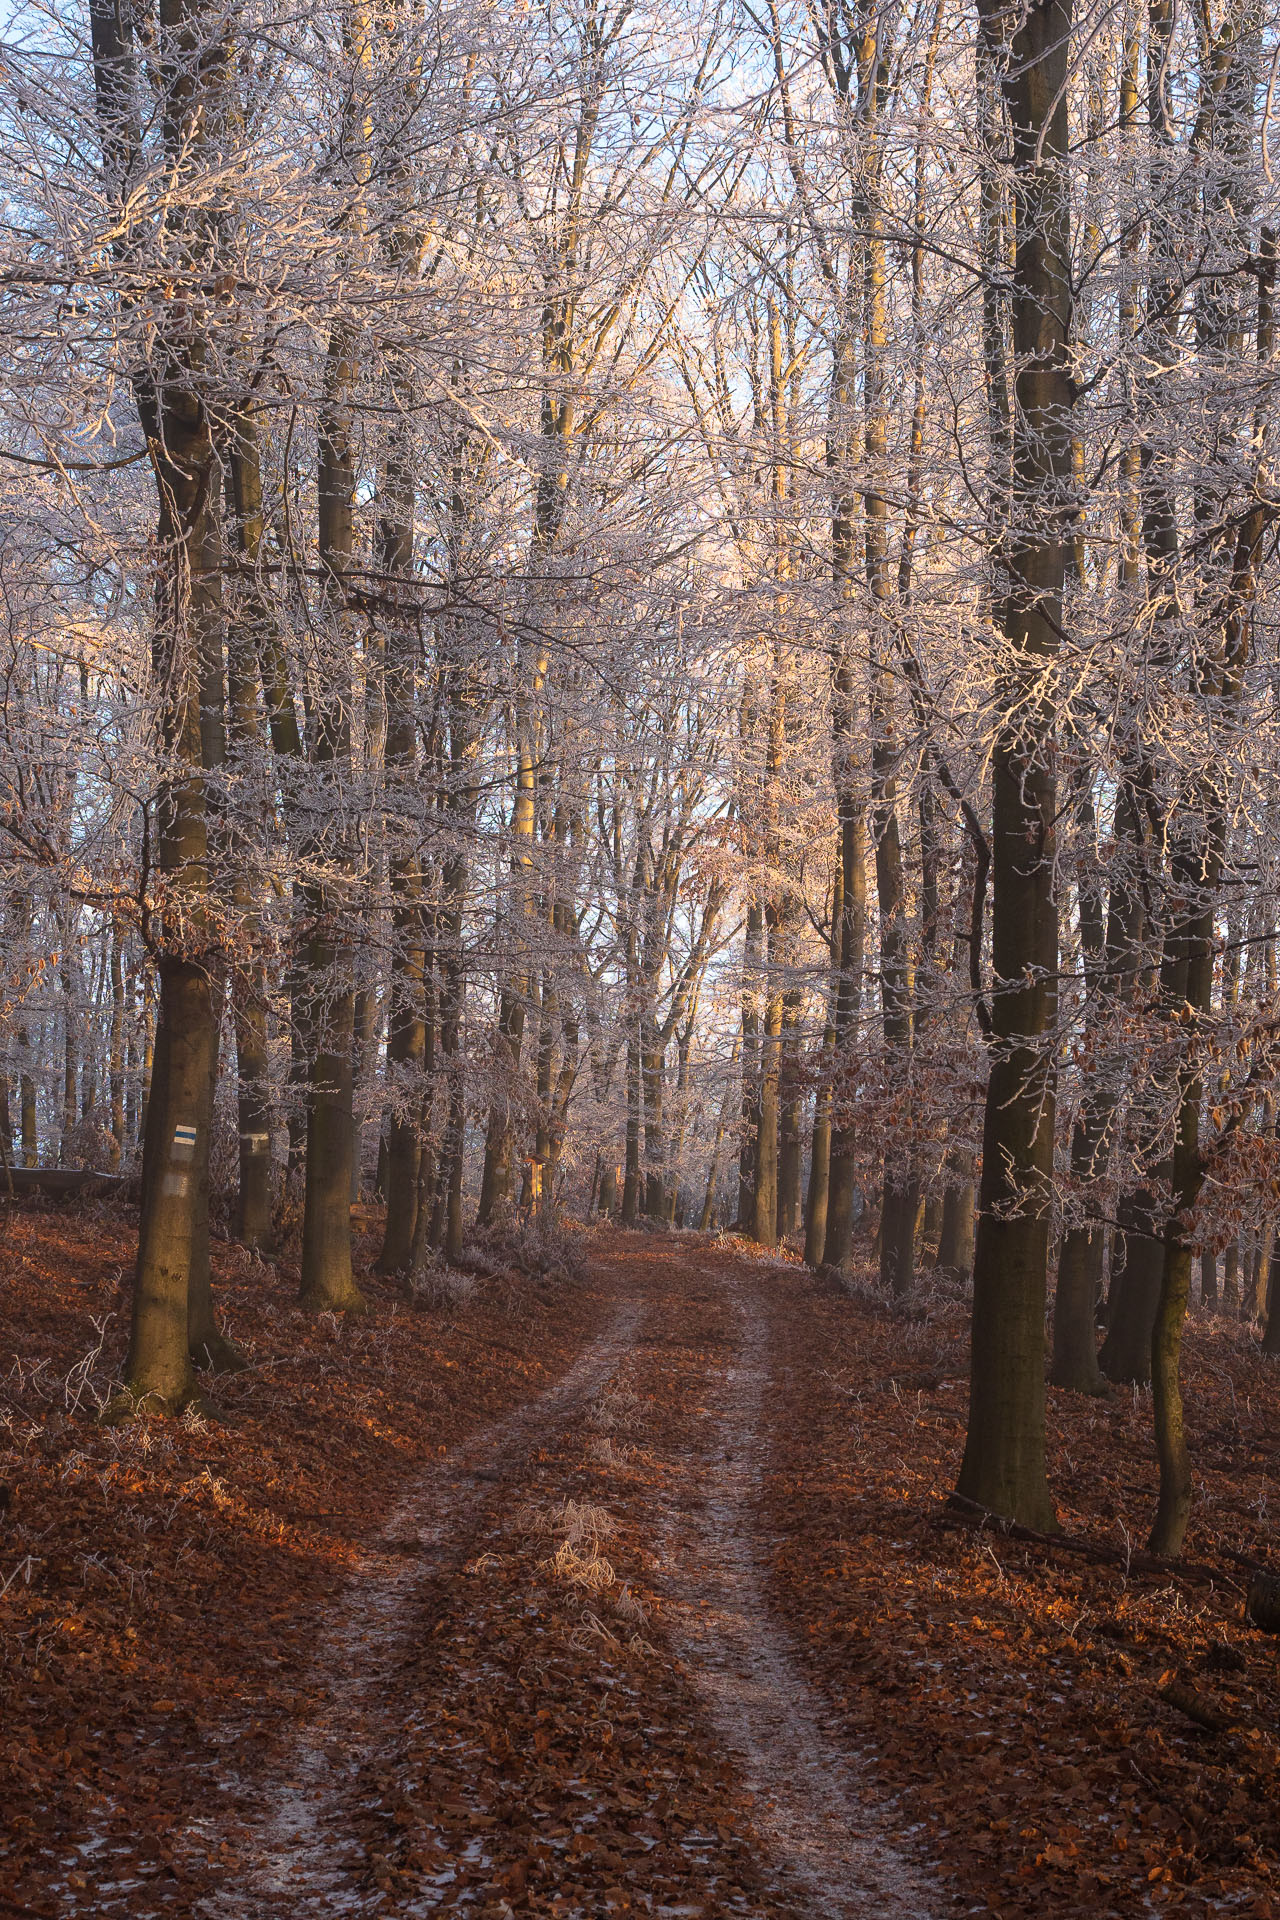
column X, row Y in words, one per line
column 762, row 1705
column 689, row 1353
column 297, row 1860
column 682, row 1636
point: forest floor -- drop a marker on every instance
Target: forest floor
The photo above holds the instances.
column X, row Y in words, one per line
column 624, row 1590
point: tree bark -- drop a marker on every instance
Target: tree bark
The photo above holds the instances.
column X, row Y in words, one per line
column 1004, row 1460
column 329, row 963
column 187, row 662
column 955, row 1242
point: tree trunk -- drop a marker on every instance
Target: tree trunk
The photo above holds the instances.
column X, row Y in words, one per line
column 209, row 1347
column 631, row 1173
column 29, row 1121
column 495, row 1182
column 1231, row 1279
column 158, row 1371
column 842, row 1183
column 750, row 1044
column 817, row 1200
column 955, row 1242
column 187, row 664
column 116, row 1053
column 764, row 1227
column 1004, row 1460
column 1271, row 1332
column 405, row 1044
column 653, row 1073
column 329, row 962
column 249, row 986
column 253, row 1218
column 1075, row 1312
column 790, row 1121
column 1135, row 1292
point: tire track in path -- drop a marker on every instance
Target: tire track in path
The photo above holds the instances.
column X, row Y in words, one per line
column 809, row 1808
column 297, row 1860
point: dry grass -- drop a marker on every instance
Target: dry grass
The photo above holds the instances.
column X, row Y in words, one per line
column 581, row 1526
column 629, row 1607
column 579, row 1522
column 577, row 1569
column 617, row 1408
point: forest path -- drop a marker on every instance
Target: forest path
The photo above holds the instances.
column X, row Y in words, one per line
column 296, row 1860
column 809, row 1809
column 557, row 1684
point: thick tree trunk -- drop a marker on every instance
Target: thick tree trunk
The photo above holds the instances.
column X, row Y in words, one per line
column 1271, row 1331
column 1004, row 1461
column 1135, row 1291
column 158, row 1370
column 209, row 1346
column 187, row 659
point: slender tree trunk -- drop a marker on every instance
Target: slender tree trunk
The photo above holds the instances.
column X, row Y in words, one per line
column 407, row 1028
column 30, row 1120
column 329, row 1011
column 631, row 1175
column 955, row 1242
column 454, row 882
column 750, row 1043
column 1075, row 1312
column 816, row 1203
column 765, row 1194
column 842, row 1185
column 116, row 1056
column 790, row 1121
column 249, row 986
column 653, row 1067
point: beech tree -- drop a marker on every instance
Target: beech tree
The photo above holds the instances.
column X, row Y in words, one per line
column 667, row 617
